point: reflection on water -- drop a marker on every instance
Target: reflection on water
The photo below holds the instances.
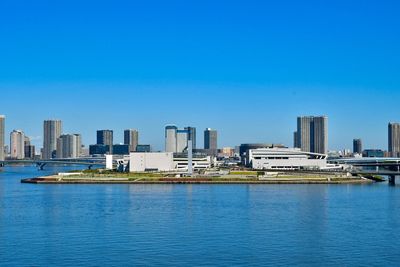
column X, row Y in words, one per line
column 210, row 225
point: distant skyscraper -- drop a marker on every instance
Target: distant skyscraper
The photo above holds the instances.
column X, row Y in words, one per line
column 321, row 135
column 29, row 149
column 182, row 137
column 192, row 135
column 2, row 136
column 394, row 139
column 357, row 146
column 131, row 138
column 69, row 146
column 78, row 145
column 52, row 131
column 295, row 140
column 17, row 142
column 170, row 138
column 211, row 140
column 312, row 134
column 27, row 141
column 106, row 138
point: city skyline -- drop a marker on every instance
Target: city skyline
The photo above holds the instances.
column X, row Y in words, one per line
column 273, row 129
column 246, row 70
column 186, row 130
column 199, row 133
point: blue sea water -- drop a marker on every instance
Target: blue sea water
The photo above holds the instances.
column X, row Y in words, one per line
column 196, row 225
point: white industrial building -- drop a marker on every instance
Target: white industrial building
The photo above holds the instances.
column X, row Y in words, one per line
column 159, row 161
column 181, row 162
column 285, row 159
column 166, row 161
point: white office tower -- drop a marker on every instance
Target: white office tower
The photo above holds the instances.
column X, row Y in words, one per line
column 51, row 132
column 17, row 144
column 170, row 138
column 69, row 146
column 2, row 136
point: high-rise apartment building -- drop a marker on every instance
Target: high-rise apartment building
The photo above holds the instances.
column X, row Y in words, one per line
column 211, row 141
column 29, row 149
column 312, row 134
column 52, row 130
column 69, row 146
column 170, row 138
column 192, row 136
column 78, row 145
column 176, row 140
column 182, row 138
column 17, row 142
column 2, row 137
column 394, row 139
column 131, row 138
column 106, row 138
column 296, row 140
column 357, row 146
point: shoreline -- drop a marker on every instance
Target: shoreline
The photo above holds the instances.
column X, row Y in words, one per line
column 200, row 181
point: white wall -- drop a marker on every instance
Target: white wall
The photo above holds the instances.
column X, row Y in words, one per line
column 162, row 161
column 109, row 162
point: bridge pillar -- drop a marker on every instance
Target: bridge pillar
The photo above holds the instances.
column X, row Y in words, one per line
column 40, row 165
column 392, row 180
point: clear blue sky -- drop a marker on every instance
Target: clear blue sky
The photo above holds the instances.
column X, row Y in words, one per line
column 246, row 68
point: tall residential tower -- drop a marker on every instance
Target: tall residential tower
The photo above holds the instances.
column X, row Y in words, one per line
column 106, row 138
column 177, row 140
column 312, row 134
column 131, row 138
column 17, row 144
column 51, row 132
column 394, row 139
column 357, row 146
column 170, row 138
column 2, row 130
column 182, row 138
column 192, row 136
column 69, row 146
column 211, row 141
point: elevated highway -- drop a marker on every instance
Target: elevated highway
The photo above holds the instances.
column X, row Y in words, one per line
column 379, row 166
